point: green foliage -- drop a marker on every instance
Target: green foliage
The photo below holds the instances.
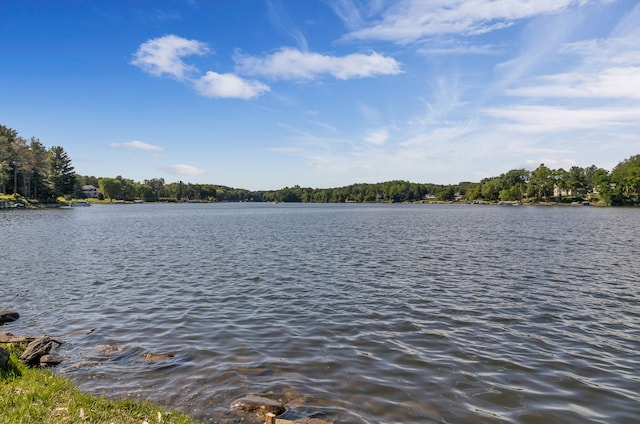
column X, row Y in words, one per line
column 37, row 396
column 63, row 176
column 27, row 168
column 625, row 179
column 542, row 182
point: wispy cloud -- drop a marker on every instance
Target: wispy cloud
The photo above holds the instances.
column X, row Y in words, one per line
column 293, row 64
column 608, row 68
column 181, row 169
column 541, row 118
column 450, row 48
column 137, row 145
column 600, row 91
column 407, row 21
column 609, row 83
column 348, row 12
column 159, row 17
column 377, row 137
column 280, row 20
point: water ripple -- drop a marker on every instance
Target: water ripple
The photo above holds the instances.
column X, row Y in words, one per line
column 354, row 313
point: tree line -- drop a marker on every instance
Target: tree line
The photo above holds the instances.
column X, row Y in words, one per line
column 621, row 186
column 29, row 169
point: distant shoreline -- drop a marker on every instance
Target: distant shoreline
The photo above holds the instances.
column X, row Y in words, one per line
column 26, row 205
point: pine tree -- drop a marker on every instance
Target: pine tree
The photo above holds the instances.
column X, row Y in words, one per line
column 63, row 176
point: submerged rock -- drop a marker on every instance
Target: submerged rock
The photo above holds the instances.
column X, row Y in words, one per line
column 272, row 411
column 156, row 357
column 258, row 405
column 303, row 421
column 8, row 316
column 108, row 350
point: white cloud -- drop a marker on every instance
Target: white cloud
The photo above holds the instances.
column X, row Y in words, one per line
column 461, row 49
column 213, row 84
column 293, row 64
column 622, row 51
column 377, row 137
column 609, row 68
column 609, row 83
column 181, row 169
column 138, row 145
column 163, row 55
column 407, row 21
column 537, row 119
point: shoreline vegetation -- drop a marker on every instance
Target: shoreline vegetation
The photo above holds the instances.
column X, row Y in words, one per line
column 20, row 202
column 32, row 175
column 32, row 394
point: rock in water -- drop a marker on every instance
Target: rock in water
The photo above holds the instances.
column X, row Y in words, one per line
column 10, row 338
column 259, row 405
column 49, row 360
column 37, row 349
column 4, row 358
column 156, row 357
column 8, row 316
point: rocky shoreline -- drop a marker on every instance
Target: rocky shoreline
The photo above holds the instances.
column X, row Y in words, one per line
column 249, row 409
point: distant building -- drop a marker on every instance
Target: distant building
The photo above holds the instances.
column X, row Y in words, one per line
column 90, row 192
column 560, row 192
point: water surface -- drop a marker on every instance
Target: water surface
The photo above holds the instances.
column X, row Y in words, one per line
column 352, row 313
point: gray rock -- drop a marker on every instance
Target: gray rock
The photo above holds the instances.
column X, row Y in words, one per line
column 36, row 349
column 4, row 358
column 49, row 360
column 8, row 316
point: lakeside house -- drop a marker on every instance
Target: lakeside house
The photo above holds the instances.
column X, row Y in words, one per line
column 91, row 192
column 562, row 192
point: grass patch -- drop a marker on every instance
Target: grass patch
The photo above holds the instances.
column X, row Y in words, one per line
column 31, row 395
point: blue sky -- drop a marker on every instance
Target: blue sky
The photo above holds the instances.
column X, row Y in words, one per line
column 263, row 94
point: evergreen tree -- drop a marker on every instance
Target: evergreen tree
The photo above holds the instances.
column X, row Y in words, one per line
column 7, row 157
column 63, row 176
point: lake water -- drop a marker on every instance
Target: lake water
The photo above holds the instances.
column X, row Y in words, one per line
column 351, row 313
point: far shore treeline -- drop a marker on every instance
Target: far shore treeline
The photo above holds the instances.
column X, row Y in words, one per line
column 44, row 175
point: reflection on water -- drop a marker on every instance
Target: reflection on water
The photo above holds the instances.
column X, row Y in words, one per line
column 354, row 313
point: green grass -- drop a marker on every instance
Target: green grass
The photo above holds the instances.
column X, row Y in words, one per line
column 31, row 395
